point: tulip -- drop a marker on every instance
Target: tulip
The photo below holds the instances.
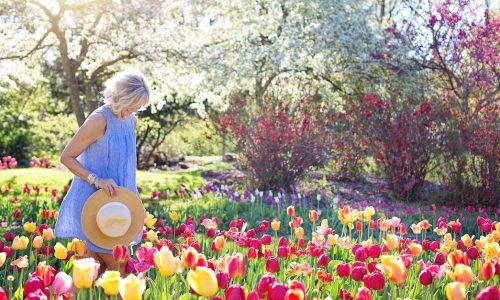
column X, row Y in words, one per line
column 358, row 273
column 463, row 274
column 394, row 268
column 492, row 250
column 235, row 292
column 152, row 236
column 8, row 236
column 252, row 253
column 63, row 283
column 37, row 242
column 275, row 225
column 313, row 215
column 30, row 227
column 363, row 294
column 252, row 295
column 392, row 241
column 132, row 287
column 272, row 264
column 85, row 271
column 467, row 240
column 166, row 262
column 110, row 282
column 361, row 254
column 120, row 253
column 79, row 247
column 173, row 216
column 60, row 251
column 222, row 280
column 203, row 281
column 3, row 295
column 33, row 284
column 455, row 291
column 48, row 234
column 416, row 249
column 150, row 220
column 472, row 253
column 375, row 281
column 425, row 277
column 486, row 271
column 20, row 243
column 237, row 266
column 299, row 232
column 374, row 251
column 264, row 284
column 282, row 252
column 3, row 257
column 295, row 294
column 439, row 259
column 323, row 260
column 489, row 293
column 290, row 210
column 266, row 239
column 46, row 272
column 343, row 270
column 277, row 291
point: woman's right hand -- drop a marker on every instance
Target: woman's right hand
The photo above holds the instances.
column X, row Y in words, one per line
column 108, row 185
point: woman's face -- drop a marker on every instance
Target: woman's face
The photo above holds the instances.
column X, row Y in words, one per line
column 127, row 111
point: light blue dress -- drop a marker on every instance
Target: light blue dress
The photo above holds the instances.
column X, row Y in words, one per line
column 111, row 156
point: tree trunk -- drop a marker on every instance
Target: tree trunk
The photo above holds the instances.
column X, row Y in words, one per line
column 224, row 147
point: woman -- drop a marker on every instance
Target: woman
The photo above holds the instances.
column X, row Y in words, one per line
column 102, row 155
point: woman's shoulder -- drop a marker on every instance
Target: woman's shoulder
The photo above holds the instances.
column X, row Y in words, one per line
column 96, row 121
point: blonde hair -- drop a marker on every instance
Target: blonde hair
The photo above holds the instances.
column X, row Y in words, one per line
column 125, row 89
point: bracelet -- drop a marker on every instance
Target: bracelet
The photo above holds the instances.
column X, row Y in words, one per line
column 93, row 179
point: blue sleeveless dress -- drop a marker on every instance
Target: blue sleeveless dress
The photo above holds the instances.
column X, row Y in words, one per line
column 111, row 156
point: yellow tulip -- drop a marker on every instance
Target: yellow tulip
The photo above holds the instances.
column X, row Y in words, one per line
column 37, row 242
column 394, row 268
column 30, row 227
column 150, row 220
column 166, row 262
column 152, row 235
column 60, row 251
column 85, row 271
column 455, row 291
column 3, row 257
column 20, row 243
column 416, row 249
column 110, row 281
column 492, row 250
column 48, row 234
column 299, row 232
column 203, row 281
column 462, row 273
column 324, row 223
column 132, row 288
column 275, row 225
column 173, row 216
column 392, row 241
column 332, row 239
column 467, row 240
column 79, row 247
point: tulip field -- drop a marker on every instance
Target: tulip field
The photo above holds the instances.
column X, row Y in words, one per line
column 218, row 243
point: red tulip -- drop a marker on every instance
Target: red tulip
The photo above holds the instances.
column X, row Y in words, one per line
column 211, row 232
column 33, row 284
column 282, row 252
column 363, row 294
column 439, row 259
column 345, row 294
column 237, row 266
column 375, row 281
column 222, row 280
column 46, row 273
column 343, row 270
column 252, row 295
column 486, row 271
column 374, row 251
column 252, row 253
column 235, row 292
column 472, row 253
column 8, row 251
column 489, row 293
column 301, row 243
column 3, row 295
column 255, row 243
column 263, row 226
column 372, row 224
column 425, row 277
column 263, row 285
column 361, row 254
column 323, row 260
column 120, row 253
column 277, row 291
column 359, row 226
column 282, row 242
column 313, row 215
column 290, row 211
column 1, row 246
column 272, row 264
column 9, row 236
column 358, row 273
column 266, row 239
column 251, row 233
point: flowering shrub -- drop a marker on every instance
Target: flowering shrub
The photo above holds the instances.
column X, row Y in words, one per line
column 8, row 162
column 36, row 162
column 401, row 137
column 279, row 141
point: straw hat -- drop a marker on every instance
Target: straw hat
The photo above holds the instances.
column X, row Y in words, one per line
column 109, row 221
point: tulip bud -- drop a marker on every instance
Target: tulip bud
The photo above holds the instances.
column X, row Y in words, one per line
column 290, row 210
column 272, row 265
column 222, row 280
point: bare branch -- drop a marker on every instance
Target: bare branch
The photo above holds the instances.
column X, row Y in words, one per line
column 38, row 46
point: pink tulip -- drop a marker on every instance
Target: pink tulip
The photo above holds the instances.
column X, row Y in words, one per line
column 263, row 285
column 222, row 280
column 63, row 284
column 277, row 291
column 235, row 292
column 272, row 264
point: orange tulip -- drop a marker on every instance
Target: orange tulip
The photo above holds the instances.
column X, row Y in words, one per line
column 458, row 257
column 394, row 268
column 416, row 249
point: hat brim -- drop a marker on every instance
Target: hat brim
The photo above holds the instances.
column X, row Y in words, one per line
column 100, row 198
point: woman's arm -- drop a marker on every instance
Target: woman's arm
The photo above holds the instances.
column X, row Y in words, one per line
column 93, row 128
